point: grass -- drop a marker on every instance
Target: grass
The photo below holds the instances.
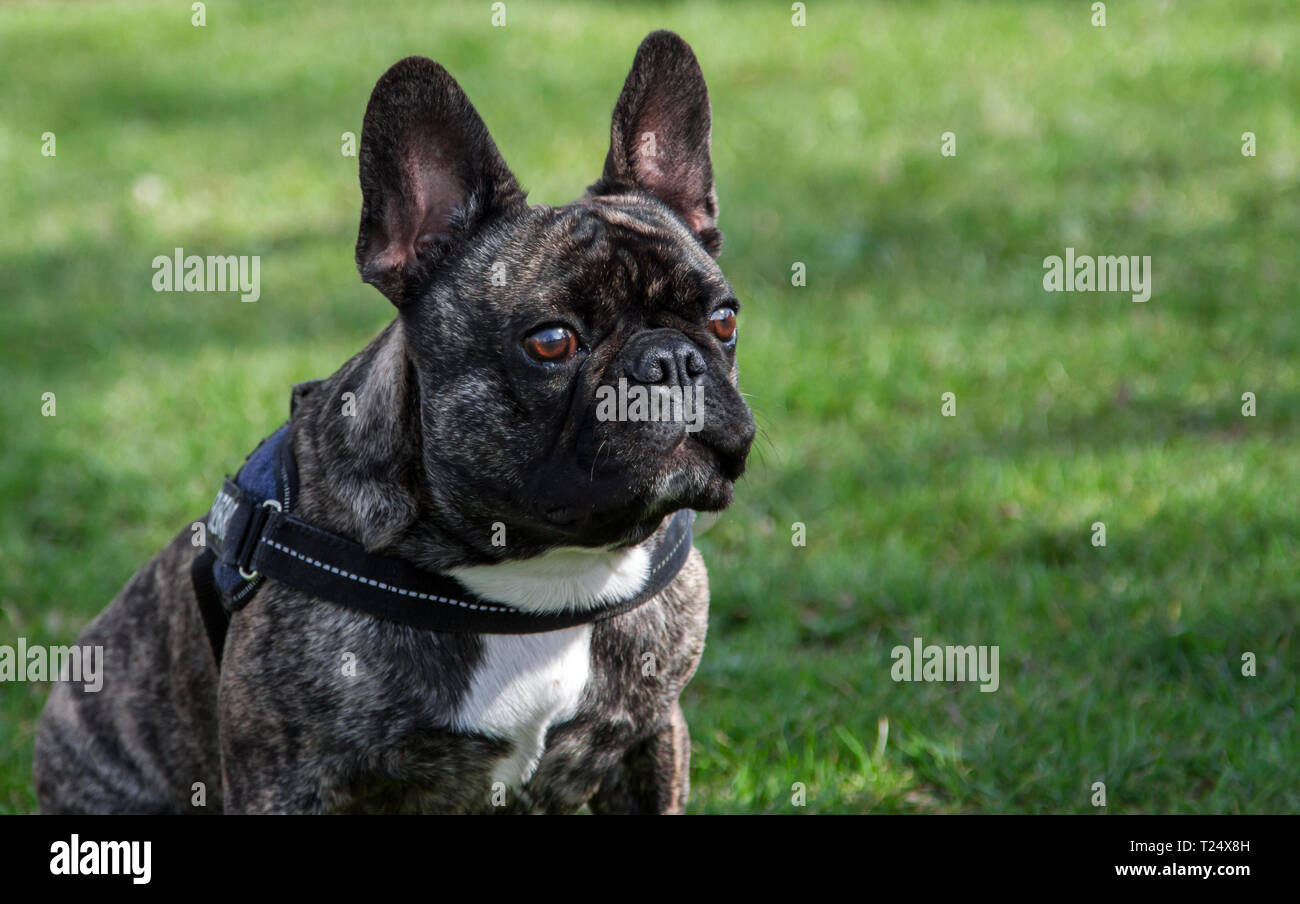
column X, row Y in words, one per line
column 1119, row 664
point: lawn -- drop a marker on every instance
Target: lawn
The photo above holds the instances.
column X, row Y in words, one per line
column 1119, row 664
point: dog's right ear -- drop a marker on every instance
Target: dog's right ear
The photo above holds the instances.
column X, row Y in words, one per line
column 430, row 176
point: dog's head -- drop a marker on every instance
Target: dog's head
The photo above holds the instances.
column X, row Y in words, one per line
column 576, row 365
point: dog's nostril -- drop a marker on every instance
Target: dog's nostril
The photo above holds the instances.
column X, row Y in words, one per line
column 649, row 370
column 652, row 368
column 693, row 363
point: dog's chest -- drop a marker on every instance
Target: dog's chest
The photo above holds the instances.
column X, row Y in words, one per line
column 522, row 686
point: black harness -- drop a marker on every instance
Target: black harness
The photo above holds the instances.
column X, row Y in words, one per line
column 254, row 535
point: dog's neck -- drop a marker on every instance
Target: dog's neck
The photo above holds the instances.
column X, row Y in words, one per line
column 357, row 448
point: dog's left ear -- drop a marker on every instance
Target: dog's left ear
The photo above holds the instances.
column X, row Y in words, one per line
column 661, row 136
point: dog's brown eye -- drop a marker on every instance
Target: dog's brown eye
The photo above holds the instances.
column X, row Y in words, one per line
column 552, row 344
column 722, row 323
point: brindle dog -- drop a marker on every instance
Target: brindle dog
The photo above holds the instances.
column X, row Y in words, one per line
column 474, row 409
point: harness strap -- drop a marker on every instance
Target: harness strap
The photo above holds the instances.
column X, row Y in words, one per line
column 258, row 538
column 216, row 620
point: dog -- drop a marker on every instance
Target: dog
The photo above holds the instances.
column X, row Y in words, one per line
column 465, row 447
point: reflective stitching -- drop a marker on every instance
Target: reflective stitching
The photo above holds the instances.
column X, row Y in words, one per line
column 668, row 558
column 284, row 480
column 347, row 574
column 427, row 596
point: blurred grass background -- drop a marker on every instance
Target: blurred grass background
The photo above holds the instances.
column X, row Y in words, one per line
column 1118, row 664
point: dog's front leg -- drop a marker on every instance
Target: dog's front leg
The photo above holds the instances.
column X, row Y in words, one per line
column 270, row 755
column 261, row 774
column 654, row 776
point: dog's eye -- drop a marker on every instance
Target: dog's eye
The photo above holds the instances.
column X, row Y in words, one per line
column 551, row 344
column 722, row 323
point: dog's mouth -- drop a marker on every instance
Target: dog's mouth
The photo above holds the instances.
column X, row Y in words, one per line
column 622, row 506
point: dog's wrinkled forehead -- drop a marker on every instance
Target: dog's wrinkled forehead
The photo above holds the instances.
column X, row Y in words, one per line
column 623, row 253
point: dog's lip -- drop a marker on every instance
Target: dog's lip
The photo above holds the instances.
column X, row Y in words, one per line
column 576, row 515
column 573, row 527
column 726, row 466
column 562, row 515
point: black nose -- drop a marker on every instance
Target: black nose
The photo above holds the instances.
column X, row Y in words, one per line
column 665, row 358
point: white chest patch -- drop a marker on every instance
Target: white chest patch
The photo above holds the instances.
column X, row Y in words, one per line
column 560, row 580
column 528, row 682
column 525, row 684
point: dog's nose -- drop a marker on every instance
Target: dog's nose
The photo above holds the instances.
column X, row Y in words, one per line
column 666, row 358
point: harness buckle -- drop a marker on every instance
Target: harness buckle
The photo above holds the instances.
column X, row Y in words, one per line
column 253, row 536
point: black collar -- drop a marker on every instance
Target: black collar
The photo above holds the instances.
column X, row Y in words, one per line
column 253, row 536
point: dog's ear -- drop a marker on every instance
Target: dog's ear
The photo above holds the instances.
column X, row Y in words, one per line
column 430, row 176
column 661, row 136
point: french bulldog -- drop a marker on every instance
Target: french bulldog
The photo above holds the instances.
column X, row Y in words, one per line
column 472, row 416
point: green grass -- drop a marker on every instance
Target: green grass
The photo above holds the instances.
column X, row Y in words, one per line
column 1118, row 664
